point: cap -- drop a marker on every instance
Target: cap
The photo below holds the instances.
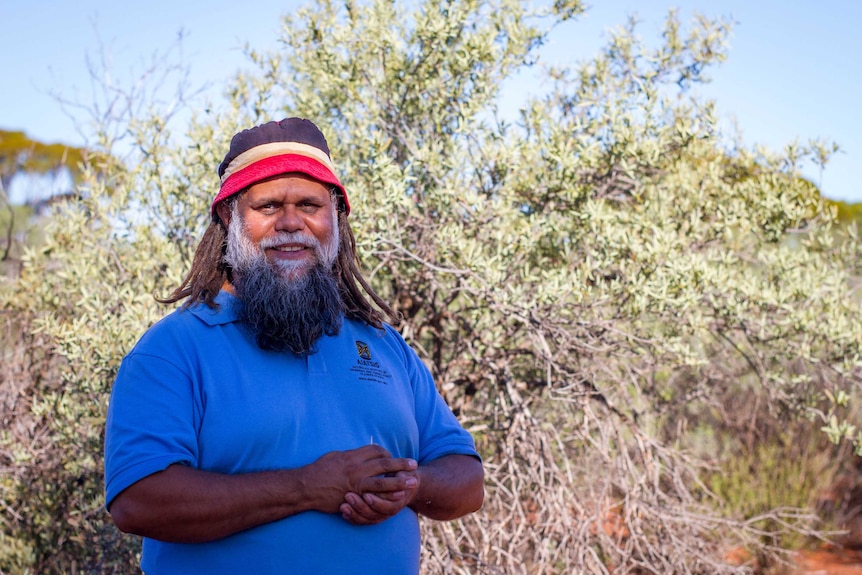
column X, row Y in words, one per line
column 290, row 145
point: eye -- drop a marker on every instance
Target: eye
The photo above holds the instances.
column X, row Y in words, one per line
column 309, row 207
column 267, row 207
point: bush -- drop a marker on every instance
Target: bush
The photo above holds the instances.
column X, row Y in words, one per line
column 588, row 285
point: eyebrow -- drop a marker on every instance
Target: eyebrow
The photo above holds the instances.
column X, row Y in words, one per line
column 274, row 198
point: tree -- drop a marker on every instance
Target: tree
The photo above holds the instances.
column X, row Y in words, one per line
column 614, row 300
column 21, row 155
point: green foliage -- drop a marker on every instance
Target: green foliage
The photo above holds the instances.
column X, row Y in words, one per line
column 591, row 285
column 767, row 484
column 847, row 213
column 73, row 310
column 21, row 155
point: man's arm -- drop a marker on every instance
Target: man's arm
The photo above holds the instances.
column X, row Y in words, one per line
column 182, row 504
column 449, row 487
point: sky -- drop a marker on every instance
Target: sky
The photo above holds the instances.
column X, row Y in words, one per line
column 794, row 70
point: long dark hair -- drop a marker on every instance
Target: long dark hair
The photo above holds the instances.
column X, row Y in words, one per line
column 209, row 272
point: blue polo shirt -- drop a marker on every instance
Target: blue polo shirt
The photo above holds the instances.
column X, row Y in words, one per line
column 197, row 390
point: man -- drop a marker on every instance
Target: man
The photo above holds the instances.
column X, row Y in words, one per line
column 274, row 423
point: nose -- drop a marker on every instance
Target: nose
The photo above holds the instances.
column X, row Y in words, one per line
column 289, row 220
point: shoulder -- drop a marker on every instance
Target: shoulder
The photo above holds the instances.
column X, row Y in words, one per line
column 387, row 335
column 186, row 326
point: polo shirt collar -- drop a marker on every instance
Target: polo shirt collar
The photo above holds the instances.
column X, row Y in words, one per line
column 226, row 313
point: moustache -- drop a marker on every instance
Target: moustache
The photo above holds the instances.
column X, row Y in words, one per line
column 282, row 238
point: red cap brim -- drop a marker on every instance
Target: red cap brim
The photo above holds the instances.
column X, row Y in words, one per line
column 275, row 166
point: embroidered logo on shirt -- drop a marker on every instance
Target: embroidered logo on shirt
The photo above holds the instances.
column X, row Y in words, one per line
column 362, row 349
column 366, row 369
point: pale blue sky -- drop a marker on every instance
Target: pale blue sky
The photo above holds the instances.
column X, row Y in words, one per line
column 794, row 71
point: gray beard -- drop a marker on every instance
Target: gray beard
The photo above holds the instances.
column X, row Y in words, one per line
column 285, row 309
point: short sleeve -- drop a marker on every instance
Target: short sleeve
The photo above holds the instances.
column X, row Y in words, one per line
column 150, row 422
column 440, row 433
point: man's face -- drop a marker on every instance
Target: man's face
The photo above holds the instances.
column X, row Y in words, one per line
column 282, row 241
column 291, row 219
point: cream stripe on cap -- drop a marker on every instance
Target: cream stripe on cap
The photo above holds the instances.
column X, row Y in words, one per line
column 263, row 151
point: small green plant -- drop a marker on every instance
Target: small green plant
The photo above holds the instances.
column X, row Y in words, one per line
column 777, row 483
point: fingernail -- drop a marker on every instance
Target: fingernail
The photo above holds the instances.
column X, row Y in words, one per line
column 412, row 463
column 367, row 499
column 411, row 482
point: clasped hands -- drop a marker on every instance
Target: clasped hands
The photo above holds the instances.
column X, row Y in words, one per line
column 370, row 485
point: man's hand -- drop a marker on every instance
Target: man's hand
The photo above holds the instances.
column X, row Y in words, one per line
column 370, row 469
column 378, row 505
column 445, row 488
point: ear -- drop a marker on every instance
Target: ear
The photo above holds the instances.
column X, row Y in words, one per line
column 223, row 212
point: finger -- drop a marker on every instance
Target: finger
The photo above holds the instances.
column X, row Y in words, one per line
column 380, row 484
column 384, row 507
column 390, row 495
column 372, row 507
column 360, row 506
column 373, row 451
column 390, row 465
column 394, row 465
column 351, row 516
column 357, row 511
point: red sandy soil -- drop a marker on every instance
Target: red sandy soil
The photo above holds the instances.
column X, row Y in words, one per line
column 845, row 558
column 829, row 561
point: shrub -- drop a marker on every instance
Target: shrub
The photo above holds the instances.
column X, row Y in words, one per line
column 587, row 285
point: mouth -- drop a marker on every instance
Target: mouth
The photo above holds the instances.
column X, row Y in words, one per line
column 292, row 254
column 288, row 250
